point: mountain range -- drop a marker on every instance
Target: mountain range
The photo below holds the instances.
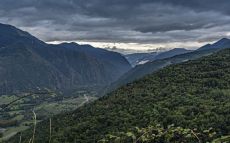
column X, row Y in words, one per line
column 144, row 69
column 142, row 58
column 27, row 63
column 221, row 44
column 192, row 96
column 181, row 88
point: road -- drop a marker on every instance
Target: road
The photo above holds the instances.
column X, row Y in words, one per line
column 86, row 100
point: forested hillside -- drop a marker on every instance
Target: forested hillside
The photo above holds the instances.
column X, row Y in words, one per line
column 163, row 60
column 193, row 96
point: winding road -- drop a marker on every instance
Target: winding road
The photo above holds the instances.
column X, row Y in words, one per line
column 86, row 100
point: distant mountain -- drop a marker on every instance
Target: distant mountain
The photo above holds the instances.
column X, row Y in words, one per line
column 142, row 58
column 142, row 70
column 171, row 53
column 27, row 63
column 193, row 96
column 221, row 44
column 113, row 58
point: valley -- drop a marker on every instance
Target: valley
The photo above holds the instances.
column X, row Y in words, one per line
column 177, row 96
column 17, row 117
column 114, row 71
column 91, row 94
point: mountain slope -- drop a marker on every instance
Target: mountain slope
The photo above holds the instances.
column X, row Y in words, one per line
column 142, row 58
column 28, row 63
column 142, row 70
column 192, row 95
column 171, row 53
column 150, row 67
column 137, row 58
column 113, row 58
column 221, row 44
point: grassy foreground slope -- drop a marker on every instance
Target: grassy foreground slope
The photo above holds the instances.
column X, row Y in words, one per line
column 193, row 95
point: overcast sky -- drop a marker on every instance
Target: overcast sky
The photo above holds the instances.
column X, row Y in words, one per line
column 132, row 24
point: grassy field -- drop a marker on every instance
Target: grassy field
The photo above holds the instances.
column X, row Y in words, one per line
column 44, row 106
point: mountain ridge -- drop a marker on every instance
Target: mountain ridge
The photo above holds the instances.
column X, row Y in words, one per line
column 149, row 67
column 221, row 44
column 142, row 58
column 57, row 67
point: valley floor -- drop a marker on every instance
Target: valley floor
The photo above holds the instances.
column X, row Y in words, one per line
column 18, row 117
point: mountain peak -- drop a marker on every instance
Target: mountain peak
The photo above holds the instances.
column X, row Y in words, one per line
column 221, row 44
column 6, row 26
column 222, row 41
column 9, row 29
column 10, row 34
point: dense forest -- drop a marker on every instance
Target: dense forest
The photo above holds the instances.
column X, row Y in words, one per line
column 188, row 102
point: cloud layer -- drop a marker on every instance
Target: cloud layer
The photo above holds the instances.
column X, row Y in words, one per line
column 120, row 21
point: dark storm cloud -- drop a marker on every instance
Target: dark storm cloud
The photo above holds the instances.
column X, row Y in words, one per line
column 142, row 21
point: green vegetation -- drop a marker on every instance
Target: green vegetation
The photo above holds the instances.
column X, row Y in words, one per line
column 158, row 134
column 150, row 67
column 194, row 96
column 18, row 116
